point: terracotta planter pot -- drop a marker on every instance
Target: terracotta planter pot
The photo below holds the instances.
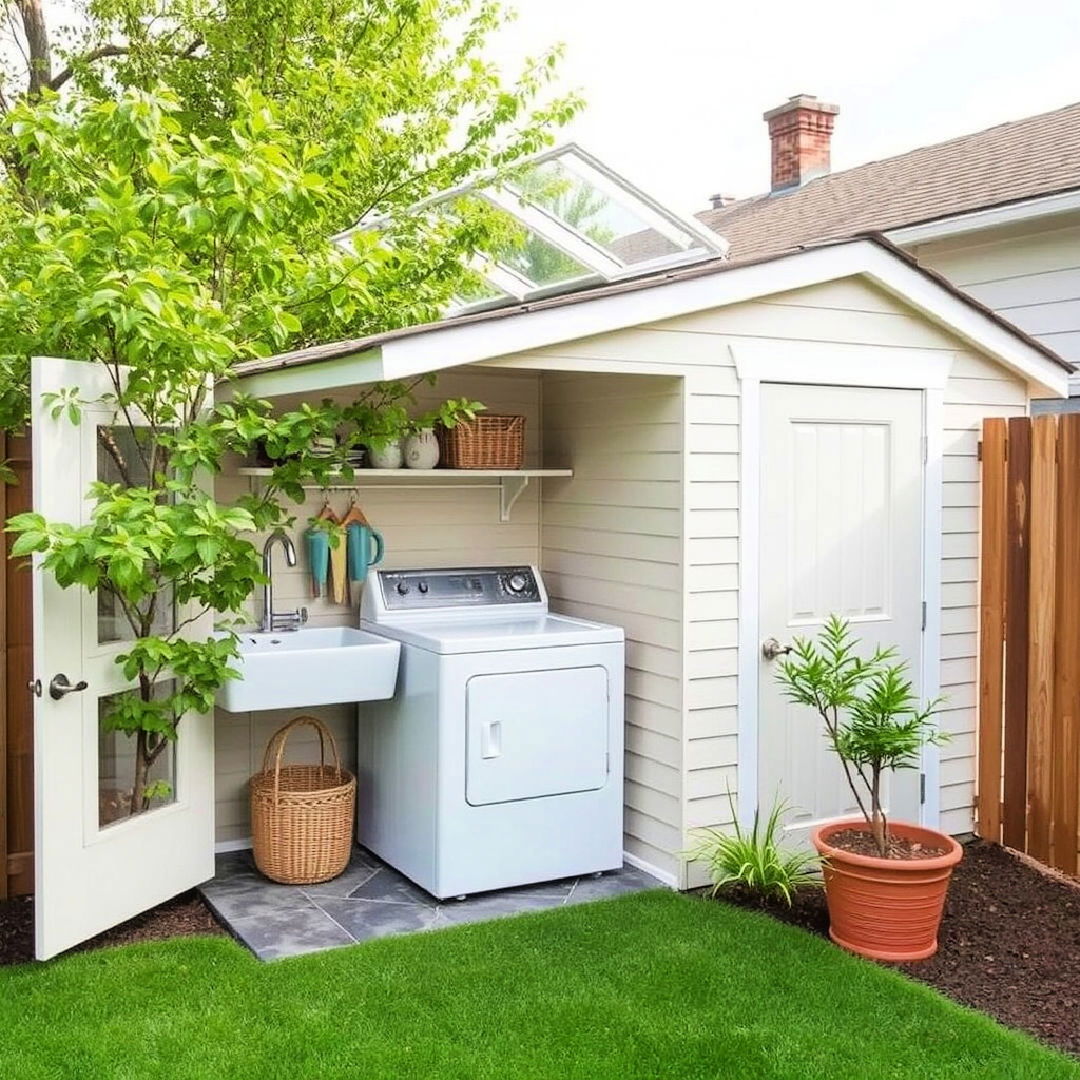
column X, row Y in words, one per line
column 886, row 909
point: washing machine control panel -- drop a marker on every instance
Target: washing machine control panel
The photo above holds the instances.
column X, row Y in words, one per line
column 415, row 590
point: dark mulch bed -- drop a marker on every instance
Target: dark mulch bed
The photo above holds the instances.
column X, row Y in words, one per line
column 1009, row 943
column 184, row 916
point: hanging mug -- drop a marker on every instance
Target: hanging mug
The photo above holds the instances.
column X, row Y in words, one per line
column 359, row 553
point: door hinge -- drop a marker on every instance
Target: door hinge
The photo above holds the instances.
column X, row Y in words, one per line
column 607, row 763
column 978, row 450
column 925, row 449
column 924, row 615
column 922, row 789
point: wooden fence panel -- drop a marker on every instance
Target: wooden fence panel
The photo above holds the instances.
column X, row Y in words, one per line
column 1067, row 643
column 1042, row 536
column 1017, row 579
column 991, row 626
column 1029, row 642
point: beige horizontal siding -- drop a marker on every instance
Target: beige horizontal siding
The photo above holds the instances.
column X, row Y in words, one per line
column 1030, row 275
column 612, row 551
column 977, row 388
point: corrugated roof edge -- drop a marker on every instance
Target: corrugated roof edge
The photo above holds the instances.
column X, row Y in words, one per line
column 336, row 350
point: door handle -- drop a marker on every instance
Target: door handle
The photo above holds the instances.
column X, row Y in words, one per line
column 491, row 739
column 60, row 686
column 771, row 649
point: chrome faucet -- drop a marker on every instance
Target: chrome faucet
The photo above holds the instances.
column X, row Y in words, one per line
column 278, row 620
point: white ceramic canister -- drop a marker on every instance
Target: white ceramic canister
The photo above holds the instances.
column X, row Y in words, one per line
column 387, row 456
column 422, row 450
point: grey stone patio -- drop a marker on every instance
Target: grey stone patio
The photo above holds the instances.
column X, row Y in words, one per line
column 372, row 900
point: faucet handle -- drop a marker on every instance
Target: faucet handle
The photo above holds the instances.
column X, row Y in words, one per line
column 288, row 620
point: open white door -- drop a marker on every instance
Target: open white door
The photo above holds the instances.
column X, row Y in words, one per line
column 95, row 864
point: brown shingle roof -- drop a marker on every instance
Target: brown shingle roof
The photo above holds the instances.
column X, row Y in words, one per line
column 1039, row 155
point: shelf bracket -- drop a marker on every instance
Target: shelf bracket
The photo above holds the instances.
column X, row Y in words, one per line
column 511, row 488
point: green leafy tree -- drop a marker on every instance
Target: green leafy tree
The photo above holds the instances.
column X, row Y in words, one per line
column 873, row 719
column 166, row 234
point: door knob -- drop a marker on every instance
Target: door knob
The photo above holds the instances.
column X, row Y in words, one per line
column 771, row 649
column 60, row 686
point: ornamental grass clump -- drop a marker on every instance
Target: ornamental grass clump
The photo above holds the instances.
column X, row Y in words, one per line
column 873, row 720
column 755, row 859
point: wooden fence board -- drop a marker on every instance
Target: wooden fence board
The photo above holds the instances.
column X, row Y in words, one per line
column 991, row 626
column 1042, row 535
column 1017, row 567
column 1066, row 787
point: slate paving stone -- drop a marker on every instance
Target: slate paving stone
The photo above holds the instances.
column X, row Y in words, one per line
column 487, row 906
column 290, row 933
column 390, row 887
column 368, row 919
column 616, row 883
column 372, row 900
column 361, row 869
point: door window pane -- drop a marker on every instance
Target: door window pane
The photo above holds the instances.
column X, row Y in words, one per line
column 120, row 460
column 118, row 752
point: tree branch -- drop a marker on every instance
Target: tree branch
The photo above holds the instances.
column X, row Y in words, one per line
column 105, row 52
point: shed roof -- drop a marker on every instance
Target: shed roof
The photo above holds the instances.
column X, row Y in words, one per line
column 650, row 298
column 1012, row 162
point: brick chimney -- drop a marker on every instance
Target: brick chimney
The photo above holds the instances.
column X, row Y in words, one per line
column 800, row 131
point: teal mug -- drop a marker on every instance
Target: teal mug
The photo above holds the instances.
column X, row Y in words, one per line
column 359, row 541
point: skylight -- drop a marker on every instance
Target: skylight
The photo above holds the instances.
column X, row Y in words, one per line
column 562, row 221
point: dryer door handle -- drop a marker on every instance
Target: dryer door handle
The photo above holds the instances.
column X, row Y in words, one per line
column 491, row 739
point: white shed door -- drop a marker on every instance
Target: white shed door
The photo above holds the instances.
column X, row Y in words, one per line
column 96, row 864
column 841, row 532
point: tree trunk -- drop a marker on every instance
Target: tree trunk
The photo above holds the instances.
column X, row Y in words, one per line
column 877, row 825
column 142, row 771
column 37, row 45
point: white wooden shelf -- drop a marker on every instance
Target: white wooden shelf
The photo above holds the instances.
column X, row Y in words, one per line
column 511, row 483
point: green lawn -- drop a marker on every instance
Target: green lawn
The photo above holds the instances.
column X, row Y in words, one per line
column 652, row 985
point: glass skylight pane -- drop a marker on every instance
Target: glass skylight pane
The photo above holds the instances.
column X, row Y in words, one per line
column 512, row 244
column 612, row 223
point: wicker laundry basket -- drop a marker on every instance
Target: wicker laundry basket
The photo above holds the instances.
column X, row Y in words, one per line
column 302, row 815
column 488, row 442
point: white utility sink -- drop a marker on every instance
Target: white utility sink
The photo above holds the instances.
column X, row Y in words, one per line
column 322, row 666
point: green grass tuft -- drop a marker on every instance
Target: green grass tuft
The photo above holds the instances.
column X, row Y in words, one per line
column 652, row 985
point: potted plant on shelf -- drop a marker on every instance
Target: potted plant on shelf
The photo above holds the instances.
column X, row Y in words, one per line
column 421, row 442
column 885, row 881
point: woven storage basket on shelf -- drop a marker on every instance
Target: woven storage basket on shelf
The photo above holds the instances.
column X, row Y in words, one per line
column 302, row 815
column 488, row 442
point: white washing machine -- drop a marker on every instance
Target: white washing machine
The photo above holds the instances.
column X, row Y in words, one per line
column 499, row 760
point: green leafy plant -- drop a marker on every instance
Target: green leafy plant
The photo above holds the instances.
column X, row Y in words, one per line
column 873, row 719
column 448, row 415
column 756, row 859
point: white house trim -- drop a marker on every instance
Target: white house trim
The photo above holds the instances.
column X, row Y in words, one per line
column 976, row 221
column 805, row 364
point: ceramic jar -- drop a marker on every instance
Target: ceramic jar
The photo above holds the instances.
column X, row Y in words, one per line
column 389, row 455
column 422, row 450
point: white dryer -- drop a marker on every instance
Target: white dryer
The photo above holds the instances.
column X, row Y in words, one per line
column 499, row 760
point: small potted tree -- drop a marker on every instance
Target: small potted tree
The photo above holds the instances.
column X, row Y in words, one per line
column 885, row 881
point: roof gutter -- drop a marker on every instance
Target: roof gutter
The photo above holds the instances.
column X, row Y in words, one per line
column 1063, row 202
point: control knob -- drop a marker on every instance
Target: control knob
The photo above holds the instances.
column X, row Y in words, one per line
column 517, row 583
column 402, row 587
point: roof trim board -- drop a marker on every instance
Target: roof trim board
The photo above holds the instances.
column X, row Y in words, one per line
column 501, row 333
column 990, row 217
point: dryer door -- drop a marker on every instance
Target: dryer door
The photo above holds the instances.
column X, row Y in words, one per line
column 536, row 733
